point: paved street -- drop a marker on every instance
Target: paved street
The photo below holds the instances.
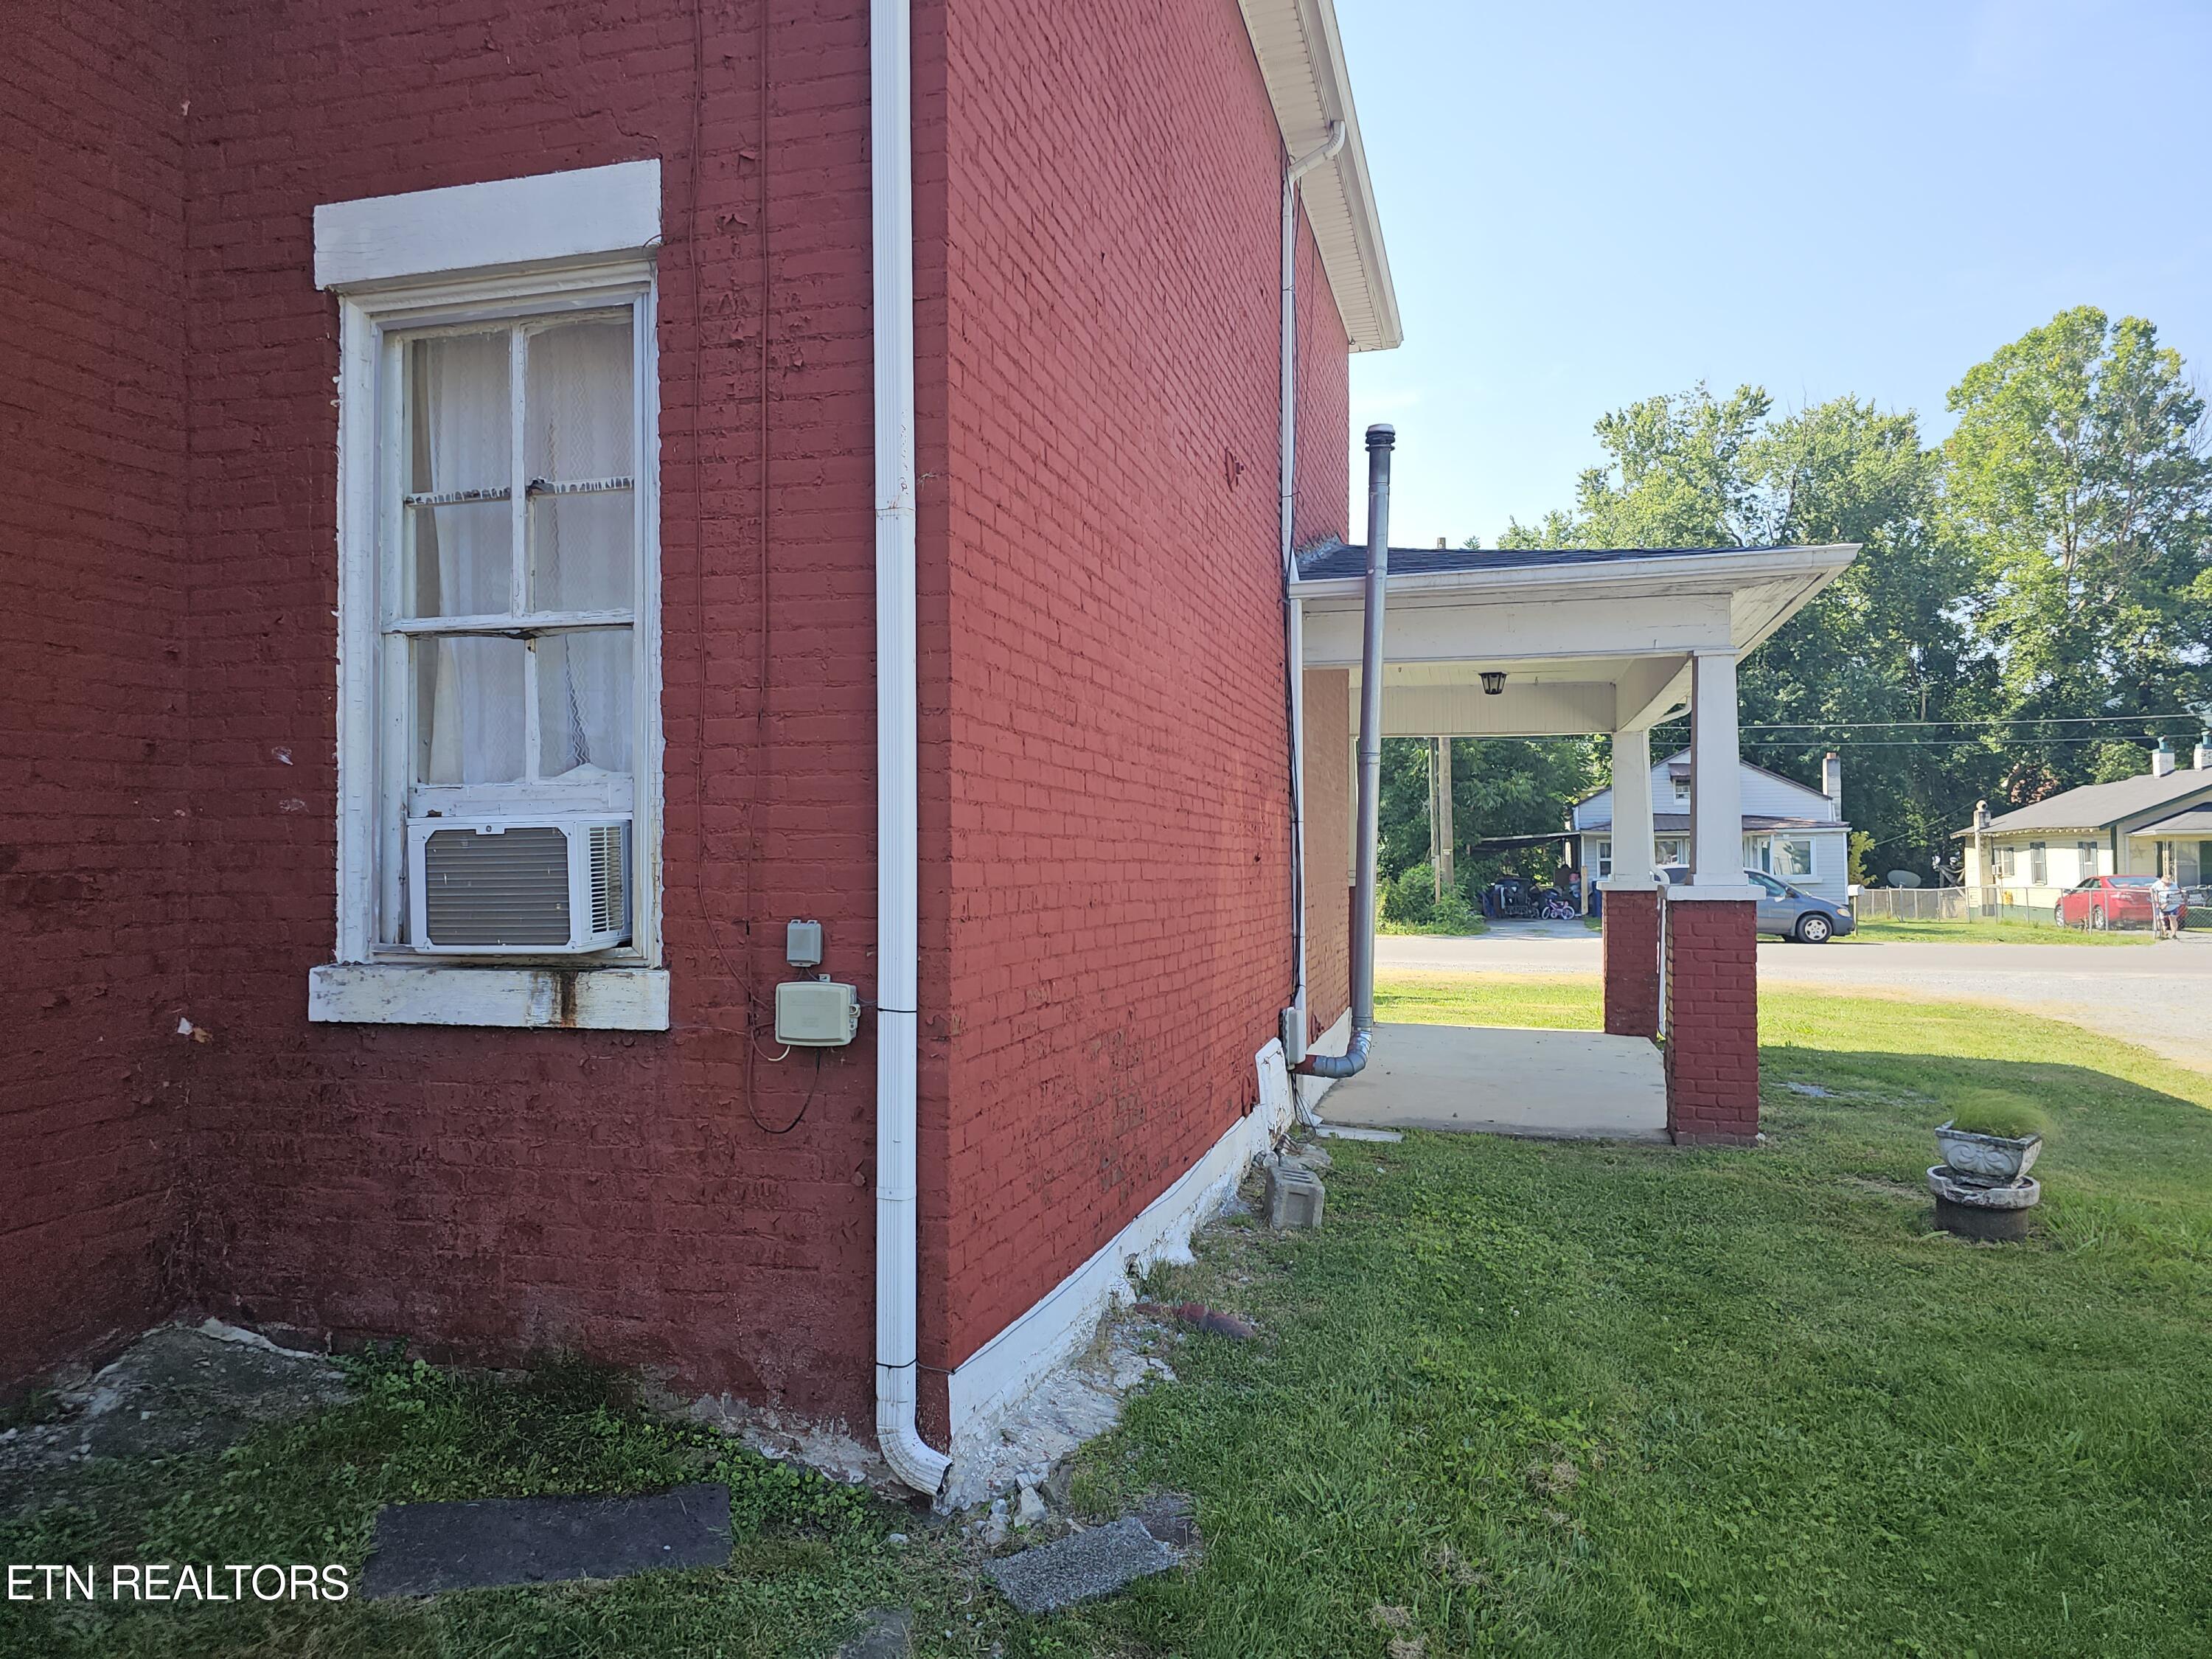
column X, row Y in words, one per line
column 2158, row 995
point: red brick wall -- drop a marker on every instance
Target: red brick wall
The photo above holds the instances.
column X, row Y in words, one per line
column 1631, row 962
column 1712, row 1022
column 1105, row 816
column 92, row 831
column 496, row 1191
column 1328, row 846
column 1115, row 794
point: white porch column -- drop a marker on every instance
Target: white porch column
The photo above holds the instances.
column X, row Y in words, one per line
column 1632, row 809
column 1715, row 783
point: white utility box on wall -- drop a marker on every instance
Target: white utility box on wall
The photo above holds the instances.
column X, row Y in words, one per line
column 815, row 1013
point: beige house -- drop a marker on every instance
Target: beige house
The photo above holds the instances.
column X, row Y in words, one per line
column 2159, row 823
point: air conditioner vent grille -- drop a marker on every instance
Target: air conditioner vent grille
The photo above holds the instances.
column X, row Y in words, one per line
column 610, row 877
column 510, row 889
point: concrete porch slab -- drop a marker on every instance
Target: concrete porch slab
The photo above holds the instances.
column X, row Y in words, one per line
column 1494, row 1079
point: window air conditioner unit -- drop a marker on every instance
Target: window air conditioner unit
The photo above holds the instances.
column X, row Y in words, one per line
column 513, row 886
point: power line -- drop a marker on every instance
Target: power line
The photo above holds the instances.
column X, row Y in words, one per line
column 2025, row 739
column 1993, row 720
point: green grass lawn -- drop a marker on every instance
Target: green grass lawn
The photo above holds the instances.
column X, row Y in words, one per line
column 1571, row 1400
column 1990, row 933
column 1584, row 1399
column 811, row 1555
column 1466, row 929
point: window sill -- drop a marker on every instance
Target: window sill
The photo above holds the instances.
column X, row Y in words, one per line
column 449, row 994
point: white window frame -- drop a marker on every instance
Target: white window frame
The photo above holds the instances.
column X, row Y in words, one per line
column 581, row 242
column 1601, row 855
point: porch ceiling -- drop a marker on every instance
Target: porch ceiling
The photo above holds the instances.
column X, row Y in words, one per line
column 1592, row 641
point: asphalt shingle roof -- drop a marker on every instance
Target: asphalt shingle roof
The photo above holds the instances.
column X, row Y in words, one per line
column 2195, row 823
column 2100, row 805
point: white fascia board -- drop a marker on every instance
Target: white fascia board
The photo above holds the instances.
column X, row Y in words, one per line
column 1301, row 58
column 1694, row 572
column 547, row 218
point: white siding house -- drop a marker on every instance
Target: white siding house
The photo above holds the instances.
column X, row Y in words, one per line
column 2149, row 824
column 1790, row 829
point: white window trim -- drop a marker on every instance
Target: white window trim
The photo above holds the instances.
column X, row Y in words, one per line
column 605, row 226
column 1812, row 871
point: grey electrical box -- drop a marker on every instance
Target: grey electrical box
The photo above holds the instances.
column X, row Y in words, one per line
column 802, row 944
column 815, row 1013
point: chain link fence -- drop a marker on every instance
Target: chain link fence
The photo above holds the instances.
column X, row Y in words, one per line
column 1966, row 904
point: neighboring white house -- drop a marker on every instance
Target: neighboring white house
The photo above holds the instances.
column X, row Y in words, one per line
column 1790, row 829
column 2158, row 822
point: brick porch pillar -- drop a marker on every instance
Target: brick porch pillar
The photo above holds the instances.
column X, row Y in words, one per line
column 1631, row 938
column 1712, row 1022
column 1713, row 954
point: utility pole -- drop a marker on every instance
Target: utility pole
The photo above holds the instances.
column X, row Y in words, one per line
column 1441, row 840
column 1437, row 830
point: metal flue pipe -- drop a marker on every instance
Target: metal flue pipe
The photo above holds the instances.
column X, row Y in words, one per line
column 1381, row 439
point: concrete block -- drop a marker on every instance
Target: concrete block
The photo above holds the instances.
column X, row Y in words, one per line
column 1295, row 1196
column 1090, row 1564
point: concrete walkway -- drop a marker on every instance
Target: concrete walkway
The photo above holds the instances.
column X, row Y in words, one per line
column 2157, row 995
column 1504, row 1080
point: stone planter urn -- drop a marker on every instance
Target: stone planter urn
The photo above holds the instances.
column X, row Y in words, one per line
column 1990, row 1160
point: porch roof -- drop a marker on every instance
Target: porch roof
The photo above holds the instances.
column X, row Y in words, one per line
column 2195, row 823
column 1590, row 640
column 1678, row 824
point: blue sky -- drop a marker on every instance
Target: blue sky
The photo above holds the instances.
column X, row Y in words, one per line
column 1588, row 204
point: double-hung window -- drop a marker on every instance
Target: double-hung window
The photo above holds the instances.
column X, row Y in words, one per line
column 499, row 595
column 1793, row 857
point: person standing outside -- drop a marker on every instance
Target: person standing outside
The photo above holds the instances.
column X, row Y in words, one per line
column 2165, row 909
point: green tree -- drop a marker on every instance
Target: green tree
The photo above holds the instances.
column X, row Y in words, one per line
column 2080, row 478
column 1886, row 641
column 1500, row 786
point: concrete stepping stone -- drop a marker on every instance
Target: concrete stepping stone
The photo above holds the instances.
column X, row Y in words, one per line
column 424, row 1549
column 1094, row 1563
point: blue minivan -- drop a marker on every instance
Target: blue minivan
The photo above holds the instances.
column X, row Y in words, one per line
column 1783, row 910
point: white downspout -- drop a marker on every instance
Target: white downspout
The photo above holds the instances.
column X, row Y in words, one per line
column 1294, row 649
column 890, row 132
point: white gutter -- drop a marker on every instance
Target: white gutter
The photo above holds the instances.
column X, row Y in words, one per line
column 898, row 947
column 1294, row 1018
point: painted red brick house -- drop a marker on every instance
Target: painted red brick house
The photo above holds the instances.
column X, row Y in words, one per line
column 532, row 437
column 657, row 654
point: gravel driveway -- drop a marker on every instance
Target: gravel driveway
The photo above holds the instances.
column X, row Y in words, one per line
column 2158, row 995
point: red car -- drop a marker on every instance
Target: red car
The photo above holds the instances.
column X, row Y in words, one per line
column 2105, row 901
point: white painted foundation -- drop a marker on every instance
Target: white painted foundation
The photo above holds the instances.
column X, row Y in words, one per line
column 997, row 1376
